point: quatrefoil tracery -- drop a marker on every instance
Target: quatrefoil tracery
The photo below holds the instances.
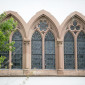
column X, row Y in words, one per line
column 75, row 26
column 43, row 25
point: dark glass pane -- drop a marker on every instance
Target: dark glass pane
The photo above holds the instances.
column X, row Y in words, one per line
column 68, row 37
column 17, row 36
column 81, row 50
column 36, row 36
column 72, row 27
column 49, row 47
column 69, row 51
column 18, row 47
column 69, row 61
column 75, row 32
column 36, row 47
column 37, row 61
column 43, row 25
column 81, row 37
column 17, row 54
column 50, row 61
column 49, row 36
column 74, row 22
column 68, row 47
column 77, row 27
column 17, row 61
column 36, row 44
column 49, row 51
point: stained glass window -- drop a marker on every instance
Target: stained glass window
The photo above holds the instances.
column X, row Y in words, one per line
column 36, row 58
column 17, row 54
column 75, row 26
column 69, row 51
column 49, row 51
column 43, row 25
column 5, row 64
column 81, row 50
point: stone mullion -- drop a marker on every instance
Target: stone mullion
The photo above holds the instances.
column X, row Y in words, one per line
column 10, row 61
column 60, row 56
column 43, row 53
column 10, row 57
column 75, row 51
column 26, row 43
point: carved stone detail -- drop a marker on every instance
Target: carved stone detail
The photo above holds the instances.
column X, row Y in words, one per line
column 26, row 42
column 59, row 42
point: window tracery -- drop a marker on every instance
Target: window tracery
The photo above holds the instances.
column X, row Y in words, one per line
column 75, row 27
column 44, row 26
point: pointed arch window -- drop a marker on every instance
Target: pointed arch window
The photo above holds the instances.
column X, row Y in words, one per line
column 69, row 60
column 49, row 51
column 48, row 57
column 36, row 60
column 81, row 51
column 45, row 46
column 17, row 54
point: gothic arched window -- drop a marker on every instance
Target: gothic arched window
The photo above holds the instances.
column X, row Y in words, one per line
column 43, row 49
column 17, row 54
column 49, row 51
column 36, row 46
column 81, row 51
column 69, row 51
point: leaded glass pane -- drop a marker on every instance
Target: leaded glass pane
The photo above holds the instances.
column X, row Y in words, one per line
column 17, row 36
column 74, row 22
column 78, row 27
column 69, row 51
column 49, row 51
column 72, row 27
column 36, row 47
column 36, row 51
column 17, row 54
column 36, row 36
column 37, row 61
column 43, row 25
column 49, row 36
column 81, row 50
column 49, row 47
column 17, row 63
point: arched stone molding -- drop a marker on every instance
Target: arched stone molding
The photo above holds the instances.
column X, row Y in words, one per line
column 53, row 26
column 39, row 15
column 21, row 23
column 66, row 26
column 21, row 28
column 73, row 15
